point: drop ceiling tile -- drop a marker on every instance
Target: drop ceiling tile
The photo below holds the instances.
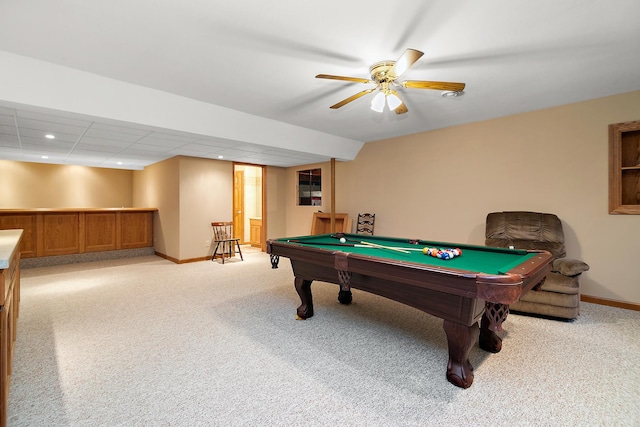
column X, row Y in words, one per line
column 164, row 138
column 28, row 116
column 40, row 135
column 87, row 141
column 9, row 146
column 51, row 151
column 7, row 121
column 143, row 159
column 139, row 150
column 196, row 148
column 38, row 157
column 7, row 130
column 8, row 143
column 96, row 149
column 147, row 148
column 49, row 127
column 253, row 148
column 97, row 157
column 105, row 134
column 139, row 130
column 36, row 142
column 212, row 142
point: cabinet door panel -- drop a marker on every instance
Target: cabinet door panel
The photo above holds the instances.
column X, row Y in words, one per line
column 137, row 230
column 100, row 232
column 61, row 234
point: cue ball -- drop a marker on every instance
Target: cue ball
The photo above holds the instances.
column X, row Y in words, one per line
column 343, row 240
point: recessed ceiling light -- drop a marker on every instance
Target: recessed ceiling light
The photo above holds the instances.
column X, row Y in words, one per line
column 221, row 157
column 45, row 157
column 451, row 94
column 50, row 136
column 119, row 163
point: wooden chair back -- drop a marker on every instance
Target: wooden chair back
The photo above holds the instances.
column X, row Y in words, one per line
column 365, row 223
column 222, row 231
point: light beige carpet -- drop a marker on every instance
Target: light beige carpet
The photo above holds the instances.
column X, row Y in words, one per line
column 145, row 342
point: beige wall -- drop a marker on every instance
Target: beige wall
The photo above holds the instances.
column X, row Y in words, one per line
column 39, row 185
column 206, row 195
column 158, row 186
column 440, row 185
column 189, row 193
column 276, row 188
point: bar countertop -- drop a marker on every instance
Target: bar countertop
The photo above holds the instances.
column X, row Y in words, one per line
column 9, row 240
column 62, row 210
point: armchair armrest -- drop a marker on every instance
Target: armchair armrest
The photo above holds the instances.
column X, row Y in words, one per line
column 569, row 267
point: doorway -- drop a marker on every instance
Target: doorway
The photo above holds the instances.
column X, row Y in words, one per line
column 248, row 204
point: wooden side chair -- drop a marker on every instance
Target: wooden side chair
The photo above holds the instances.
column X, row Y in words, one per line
column 365, row 223
column 224, row 240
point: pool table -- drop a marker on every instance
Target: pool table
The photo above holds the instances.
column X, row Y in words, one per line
column 470, row 292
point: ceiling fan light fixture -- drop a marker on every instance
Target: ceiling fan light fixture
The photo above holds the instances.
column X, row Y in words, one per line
column 377, row 104
column 393, row 101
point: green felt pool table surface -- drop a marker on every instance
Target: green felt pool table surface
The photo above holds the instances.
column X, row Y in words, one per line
column 474, row 258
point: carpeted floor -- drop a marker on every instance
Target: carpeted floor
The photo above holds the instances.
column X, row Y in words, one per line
column 143, row 341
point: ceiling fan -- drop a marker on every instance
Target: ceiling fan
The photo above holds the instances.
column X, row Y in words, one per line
column 384, row 75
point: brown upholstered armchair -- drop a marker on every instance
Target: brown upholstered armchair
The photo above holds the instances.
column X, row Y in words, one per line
column 559, row 295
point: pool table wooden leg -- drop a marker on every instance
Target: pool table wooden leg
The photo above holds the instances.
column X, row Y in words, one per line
column 303, row 287
column 494, row 315
column 461, row 339
column 489, row 340
column 344, row 296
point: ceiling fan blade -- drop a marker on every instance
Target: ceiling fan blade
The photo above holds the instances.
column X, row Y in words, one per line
column 352, row 98
column 349, row 79
column 401, row 109
column 406, row 60
column 421, row 84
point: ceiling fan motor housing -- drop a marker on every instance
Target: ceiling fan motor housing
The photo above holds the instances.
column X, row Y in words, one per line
column 379, row 71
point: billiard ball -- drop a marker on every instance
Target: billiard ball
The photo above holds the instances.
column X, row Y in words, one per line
column 343, row 240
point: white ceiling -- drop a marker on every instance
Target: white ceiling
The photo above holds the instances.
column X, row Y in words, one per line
column 136, row 82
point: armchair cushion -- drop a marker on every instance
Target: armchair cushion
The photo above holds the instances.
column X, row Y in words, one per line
column 569, row 267
column 559, row 284
column 526, row 230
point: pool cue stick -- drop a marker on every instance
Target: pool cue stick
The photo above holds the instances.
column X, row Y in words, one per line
column 356, row 245
column 386, row 247
column 375, row 245
column 302, row 242
column 350, row 245
column 393, row 248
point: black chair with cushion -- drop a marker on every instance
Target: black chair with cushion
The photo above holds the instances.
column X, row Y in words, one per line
column 559, row 295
